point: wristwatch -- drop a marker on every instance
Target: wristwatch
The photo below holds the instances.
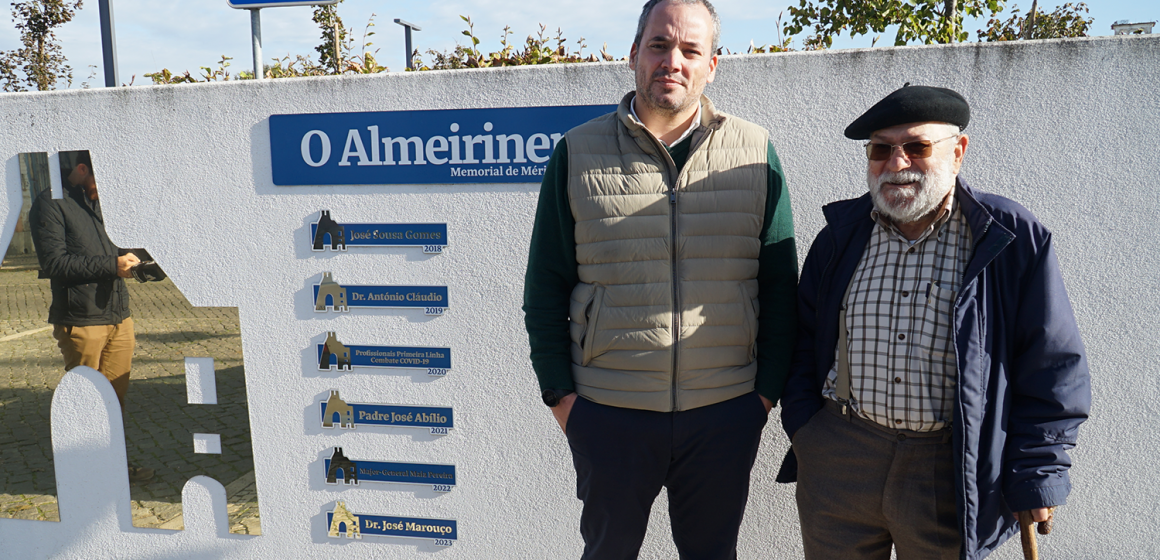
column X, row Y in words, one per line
column 552, row 397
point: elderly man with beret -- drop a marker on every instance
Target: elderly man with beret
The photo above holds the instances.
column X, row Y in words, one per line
column 939, row 378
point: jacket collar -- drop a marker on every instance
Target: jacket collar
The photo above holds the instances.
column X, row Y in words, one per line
column 711, row 120
column 77, row 193
column 990, row 237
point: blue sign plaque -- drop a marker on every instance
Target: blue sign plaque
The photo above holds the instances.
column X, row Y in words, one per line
column 334, row 355
column 356, row 525
column 330, row 295
column 510, row 145
column 336, row 412
column 329, row 234
column 440, row 477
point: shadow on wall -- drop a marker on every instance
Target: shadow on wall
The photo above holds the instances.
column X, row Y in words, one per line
column 159, row 421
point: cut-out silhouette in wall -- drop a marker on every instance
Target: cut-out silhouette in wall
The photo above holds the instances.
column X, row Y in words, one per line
column 159, row 422
column 97, row 520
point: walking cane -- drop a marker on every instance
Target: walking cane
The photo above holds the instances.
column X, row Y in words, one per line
column 1027, row 534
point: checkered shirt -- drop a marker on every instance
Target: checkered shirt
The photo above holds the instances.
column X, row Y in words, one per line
column 902, row 357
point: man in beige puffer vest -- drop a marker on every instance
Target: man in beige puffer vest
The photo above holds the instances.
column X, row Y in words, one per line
column 660, row 296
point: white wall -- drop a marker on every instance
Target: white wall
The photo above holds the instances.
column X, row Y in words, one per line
column 1064, row 127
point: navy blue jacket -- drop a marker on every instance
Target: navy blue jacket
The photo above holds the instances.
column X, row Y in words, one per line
column 1022, row 387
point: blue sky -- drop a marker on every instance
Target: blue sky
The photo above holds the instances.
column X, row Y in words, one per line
column 186, row 34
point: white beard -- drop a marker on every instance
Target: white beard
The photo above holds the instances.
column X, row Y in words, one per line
column 910, row 204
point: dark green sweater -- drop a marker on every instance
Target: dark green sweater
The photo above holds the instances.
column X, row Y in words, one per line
column 552, row 275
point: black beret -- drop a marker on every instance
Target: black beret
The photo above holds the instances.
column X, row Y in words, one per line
column 912, row 104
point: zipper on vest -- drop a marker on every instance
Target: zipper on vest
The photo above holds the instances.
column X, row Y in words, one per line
column 674, row 177
column 674, row 180
column 676, row 290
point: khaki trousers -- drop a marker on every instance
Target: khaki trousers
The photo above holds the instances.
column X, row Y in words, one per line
column 105, row 348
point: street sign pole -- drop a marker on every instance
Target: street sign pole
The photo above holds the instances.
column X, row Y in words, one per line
column 108, row 42
column 410, row 58
column 256, row 31
column 255, row 6
column 337, row 45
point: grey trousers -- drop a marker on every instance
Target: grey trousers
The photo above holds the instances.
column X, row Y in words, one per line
column 863, row 488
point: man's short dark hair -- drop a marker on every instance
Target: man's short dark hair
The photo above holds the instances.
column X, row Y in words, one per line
column 648, row 7
column 82, row 156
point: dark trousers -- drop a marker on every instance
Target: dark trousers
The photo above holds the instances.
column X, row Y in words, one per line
column 702, row 456
column 863, row 488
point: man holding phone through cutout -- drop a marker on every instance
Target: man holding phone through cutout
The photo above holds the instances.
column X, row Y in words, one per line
column 90, row 303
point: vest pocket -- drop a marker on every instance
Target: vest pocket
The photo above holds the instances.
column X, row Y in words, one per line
column 591, row 316
column 750, row 321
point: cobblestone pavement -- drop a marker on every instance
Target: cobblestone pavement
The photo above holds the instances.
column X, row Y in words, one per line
column 159, row 422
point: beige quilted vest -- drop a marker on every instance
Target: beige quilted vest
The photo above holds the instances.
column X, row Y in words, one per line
column 665, row 315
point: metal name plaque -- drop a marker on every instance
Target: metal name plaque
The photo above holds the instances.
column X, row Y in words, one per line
column 334, row 355
column 510, row 145
column 338, row 413
column 332, row 296
column 341, row 522
column 329, row 234
column 441, row 478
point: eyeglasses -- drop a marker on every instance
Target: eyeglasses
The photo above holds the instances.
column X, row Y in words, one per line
column 920, row 149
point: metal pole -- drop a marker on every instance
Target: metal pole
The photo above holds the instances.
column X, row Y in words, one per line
column 256, row 30
column 337, row 47
column 408, row 26
column 108, row 43
column 410, row 59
